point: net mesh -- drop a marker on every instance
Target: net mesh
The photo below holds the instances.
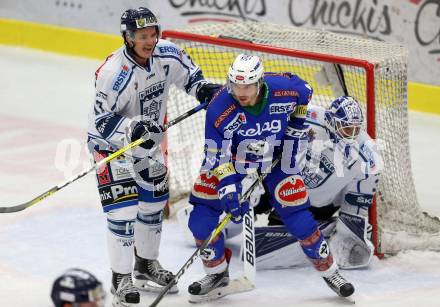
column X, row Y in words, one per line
column 397, row 208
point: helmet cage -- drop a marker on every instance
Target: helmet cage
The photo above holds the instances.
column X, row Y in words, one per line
column 345, row 118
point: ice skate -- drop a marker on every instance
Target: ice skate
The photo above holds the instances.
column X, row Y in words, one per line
column 339, row 284
column 210, row 287
column 124, row 293
column 150, row 276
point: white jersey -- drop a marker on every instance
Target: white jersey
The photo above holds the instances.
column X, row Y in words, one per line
column 126, row 91
column 336, row 172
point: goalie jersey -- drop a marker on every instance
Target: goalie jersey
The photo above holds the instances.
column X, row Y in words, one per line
column 336, row 172
column 126, row 91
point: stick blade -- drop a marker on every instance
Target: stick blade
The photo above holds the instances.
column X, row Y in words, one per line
column 13, row 208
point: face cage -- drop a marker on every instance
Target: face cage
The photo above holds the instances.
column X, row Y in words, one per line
column 346, row 130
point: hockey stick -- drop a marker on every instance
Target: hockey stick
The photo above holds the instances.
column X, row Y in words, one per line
column 248, row 243
column 97, row 165
column 214, row 233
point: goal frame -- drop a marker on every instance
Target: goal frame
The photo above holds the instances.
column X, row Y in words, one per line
column 289, row 52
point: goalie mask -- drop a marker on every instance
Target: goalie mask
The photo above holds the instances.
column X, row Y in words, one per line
column 344, row 118
column 77, row 286
column 245, row 74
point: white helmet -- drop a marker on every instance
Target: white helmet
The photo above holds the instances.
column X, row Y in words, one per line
column 246, row 69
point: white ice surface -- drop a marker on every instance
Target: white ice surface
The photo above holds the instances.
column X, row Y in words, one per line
column 45, row 99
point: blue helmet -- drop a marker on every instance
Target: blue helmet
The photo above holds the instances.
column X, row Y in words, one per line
column 344, row 117
column 135, row 19
column 77, row 286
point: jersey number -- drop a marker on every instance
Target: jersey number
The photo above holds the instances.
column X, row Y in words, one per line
column 167, row 69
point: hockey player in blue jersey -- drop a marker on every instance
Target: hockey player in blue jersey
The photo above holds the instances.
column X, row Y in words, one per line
column 248, row 123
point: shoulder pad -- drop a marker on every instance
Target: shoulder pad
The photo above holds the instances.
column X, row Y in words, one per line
column 164, row 47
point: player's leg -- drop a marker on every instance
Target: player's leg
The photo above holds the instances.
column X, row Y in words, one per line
column 203, row 220
column 119, row 197
column 152, row 180
column 290, row 199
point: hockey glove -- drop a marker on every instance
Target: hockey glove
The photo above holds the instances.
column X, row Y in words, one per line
column 152, row 132
column 206, row 91
column 229, row 198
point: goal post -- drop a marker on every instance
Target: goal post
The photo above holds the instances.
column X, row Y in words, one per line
column 373, row 72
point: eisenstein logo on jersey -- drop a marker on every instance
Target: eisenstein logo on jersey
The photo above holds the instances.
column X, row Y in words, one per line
column 291, row 191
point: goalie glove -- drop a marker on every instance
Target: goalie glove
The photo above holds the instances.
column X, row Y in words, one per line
column 150, row 131
column 229, row 198
column 206, row 91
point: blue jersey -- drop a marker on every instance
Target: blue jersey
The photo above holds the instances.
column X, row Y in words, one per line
column 238, row 139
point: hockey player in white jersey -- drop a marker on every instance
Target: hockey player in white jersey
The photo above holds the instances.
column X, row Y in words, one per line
column 341, row 169
column 131, row 99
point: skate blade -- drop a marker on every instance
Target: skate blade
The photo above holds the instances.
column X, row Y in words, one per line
column 237, row 285
column 118, row 303
column 150, row 286
column 349, row 299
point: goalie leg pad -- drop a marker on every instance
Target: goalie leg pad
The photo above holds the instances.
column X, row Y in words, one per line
column 276, row 248
column 350, row 244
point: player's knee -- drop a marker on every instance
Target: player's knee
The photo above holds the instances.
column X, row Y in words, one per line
column 201, row 223
column 151, row 207
column 124, row 213
column 150, row 214
column 301, row 224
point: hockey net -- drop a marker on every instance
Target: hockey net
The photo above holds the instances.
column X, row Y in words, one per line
column 373, row 72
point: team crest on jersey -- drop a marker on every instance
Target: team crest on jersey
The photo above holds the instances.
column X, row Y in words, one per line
column 121, row 78
column 317, row 170
column 206, row 186
column 234, row 124
column 281, row 108
column 291, row 191
column 153, row 91
column 152, row 110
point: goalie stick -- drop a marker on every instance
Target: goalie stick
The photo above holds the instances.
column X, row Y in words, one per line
column 242, row 283
column 96, row 166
